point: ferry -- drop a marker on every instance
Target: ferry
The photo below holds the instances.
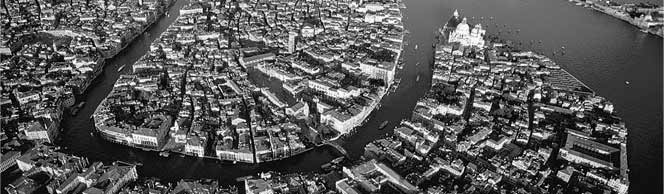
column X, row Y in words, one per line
column 121, row 68
column 382, row 125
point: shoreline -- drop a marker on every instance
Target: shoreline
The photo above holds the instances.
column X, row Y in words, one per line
column 616, row 14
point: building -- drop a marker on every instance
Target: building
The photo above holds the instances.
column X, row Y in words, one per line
column 273, row 98
column 384, row 71
column 247, row 62
column 328, row 89
column 97, row 178
column 45, row 129
column 308, row 30
column 344, row 187
column 292, row 42
column 46, row 159
column 151, row 134
column 299, row 110
column 257, row 186
column 566, row 173
column 9, row 160
column 463, row 35
column 195, row 146
column 372, row 175
column 342, row 122
column 589, row 152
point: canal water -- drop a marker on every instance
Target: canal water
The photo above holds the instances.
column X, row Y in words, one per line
column 601, row 51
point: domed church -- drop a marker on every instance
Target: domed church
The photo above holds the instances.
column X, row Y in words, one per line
column 460, row 32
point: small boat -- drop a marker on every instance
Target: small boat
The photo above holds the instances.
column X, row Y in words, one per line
column 415, row 47
column 77, row 108
column 382, row 125
column 338, row 160
column 418, row 78
column 627, row 82
column 164, row 154
column 121, row 68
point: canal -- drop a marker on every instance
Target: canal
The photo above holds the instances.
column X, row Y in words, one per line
column 601, row 51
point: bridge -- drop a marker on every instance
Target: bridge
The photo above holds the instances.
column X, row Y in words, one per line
column 336, row 146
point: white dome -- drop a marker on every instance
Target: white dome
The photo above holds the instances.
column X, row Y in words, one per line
column 463, row 27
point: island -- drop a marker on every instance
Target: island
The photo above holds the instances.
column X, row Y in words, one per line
column 252, row 85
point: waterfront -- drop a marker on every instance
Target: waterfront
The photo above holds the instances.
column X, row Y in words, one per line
column 595, row 54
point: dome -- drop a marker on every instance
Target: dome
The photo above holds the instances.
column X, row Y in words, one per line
column 463, row 27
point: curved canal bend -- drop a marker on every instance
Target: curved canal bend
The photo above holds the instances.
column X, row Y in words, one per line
column 601, row 51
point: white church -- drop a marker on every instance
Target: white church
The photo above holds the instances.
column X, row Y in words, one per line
column 463, row 34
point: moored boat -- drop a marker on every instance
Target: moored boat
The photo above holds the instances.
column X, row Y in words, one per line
column 382, row 125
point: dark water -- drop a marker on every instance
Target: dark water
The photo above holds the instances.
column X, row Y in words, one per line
column 602, row 51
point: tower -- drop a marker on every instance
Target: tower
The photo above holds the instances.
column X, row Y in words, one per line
column 291, row 41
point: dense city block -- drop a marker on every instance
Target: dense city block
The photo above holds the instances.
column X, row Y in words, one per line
column 254, row 81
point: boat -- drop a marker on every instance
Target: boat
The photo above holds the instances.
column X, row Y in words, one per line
column 382, row 125
column 418, row 78
column 627, row 82
column 121, row 68
column 77, row 108
column 164, row 154
column 338, row 160
column 415, row 47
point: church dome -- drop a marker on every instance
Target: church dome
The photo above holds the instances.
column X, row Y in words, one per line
column 463, row 27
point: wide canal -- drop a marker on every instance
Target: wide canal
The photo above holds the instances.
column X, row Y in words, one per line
column 601, row 51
